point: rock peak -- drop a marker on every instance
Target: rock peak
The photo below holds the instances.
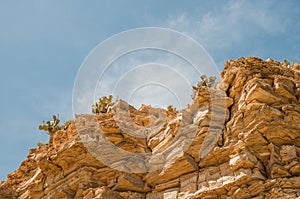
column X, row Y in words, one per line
column 240, row 138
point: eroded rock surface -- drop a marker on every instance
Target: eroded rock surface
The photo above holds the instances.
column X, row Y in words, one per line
column 238, row 139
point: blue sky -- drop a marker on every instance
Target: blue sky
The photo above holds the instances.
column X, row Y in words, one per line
column 43, row 43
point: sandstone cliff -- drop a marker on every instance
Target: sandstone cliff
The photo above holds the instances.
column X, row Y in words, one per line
column 239, row 139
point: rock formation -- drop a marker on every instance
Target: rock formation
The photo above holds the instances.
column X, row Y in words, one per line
column 238, row 139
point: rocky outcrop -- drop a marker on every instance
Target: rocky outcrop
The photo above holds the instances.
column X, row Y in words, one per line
column 239, row 139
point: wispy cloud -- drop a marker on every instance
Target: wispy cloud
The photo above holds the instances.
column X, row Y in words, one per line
column 234, row 20
column 126, row 64
column 151, row 77
column 236, row 24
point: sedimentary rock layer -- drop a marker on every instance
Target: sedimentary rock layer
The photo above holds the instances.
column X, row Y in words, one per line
column 238, row 139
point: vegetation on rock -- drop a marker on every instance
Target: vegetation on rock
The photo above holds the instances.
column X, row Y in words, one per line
column 103, row 105
column 50, row 126
column 252, row 151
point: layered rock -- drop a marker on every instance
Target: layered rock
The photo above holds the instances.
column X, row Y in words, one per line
column 238, row 139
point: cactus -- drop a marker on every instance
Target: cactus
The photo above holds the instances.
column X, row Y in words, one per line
column 287, row 63
column 103, row 105
column 67, row 124
column 55, row 120
column 40, row 144
column 50, row 126
column 172, row 110
column 95, row 108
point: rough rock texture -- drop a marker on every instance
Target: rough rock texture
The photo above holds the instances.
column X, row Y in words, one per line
column 238, row 139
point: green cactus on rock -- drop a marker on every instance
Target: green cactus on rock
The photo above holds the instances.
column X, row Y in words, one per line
column 172, row 110
column 103, row 105
column 50, row 126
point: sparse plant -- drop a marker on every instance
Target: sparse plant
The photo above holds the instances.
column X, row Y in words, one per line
column 67, row 124
column 205, row 82
column 40, row 144
column 50, row 126
column 103, row 105
column 172, row 110
column 286, row 63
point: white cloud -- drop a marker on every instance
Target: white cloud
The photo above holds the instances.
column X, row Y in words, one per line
column 232, row 23
column 118, row 61
column 225, row 28
column 150, row 77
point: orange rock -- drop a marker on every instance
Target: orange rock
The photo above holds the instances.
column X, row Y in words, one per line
column 239, row 138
